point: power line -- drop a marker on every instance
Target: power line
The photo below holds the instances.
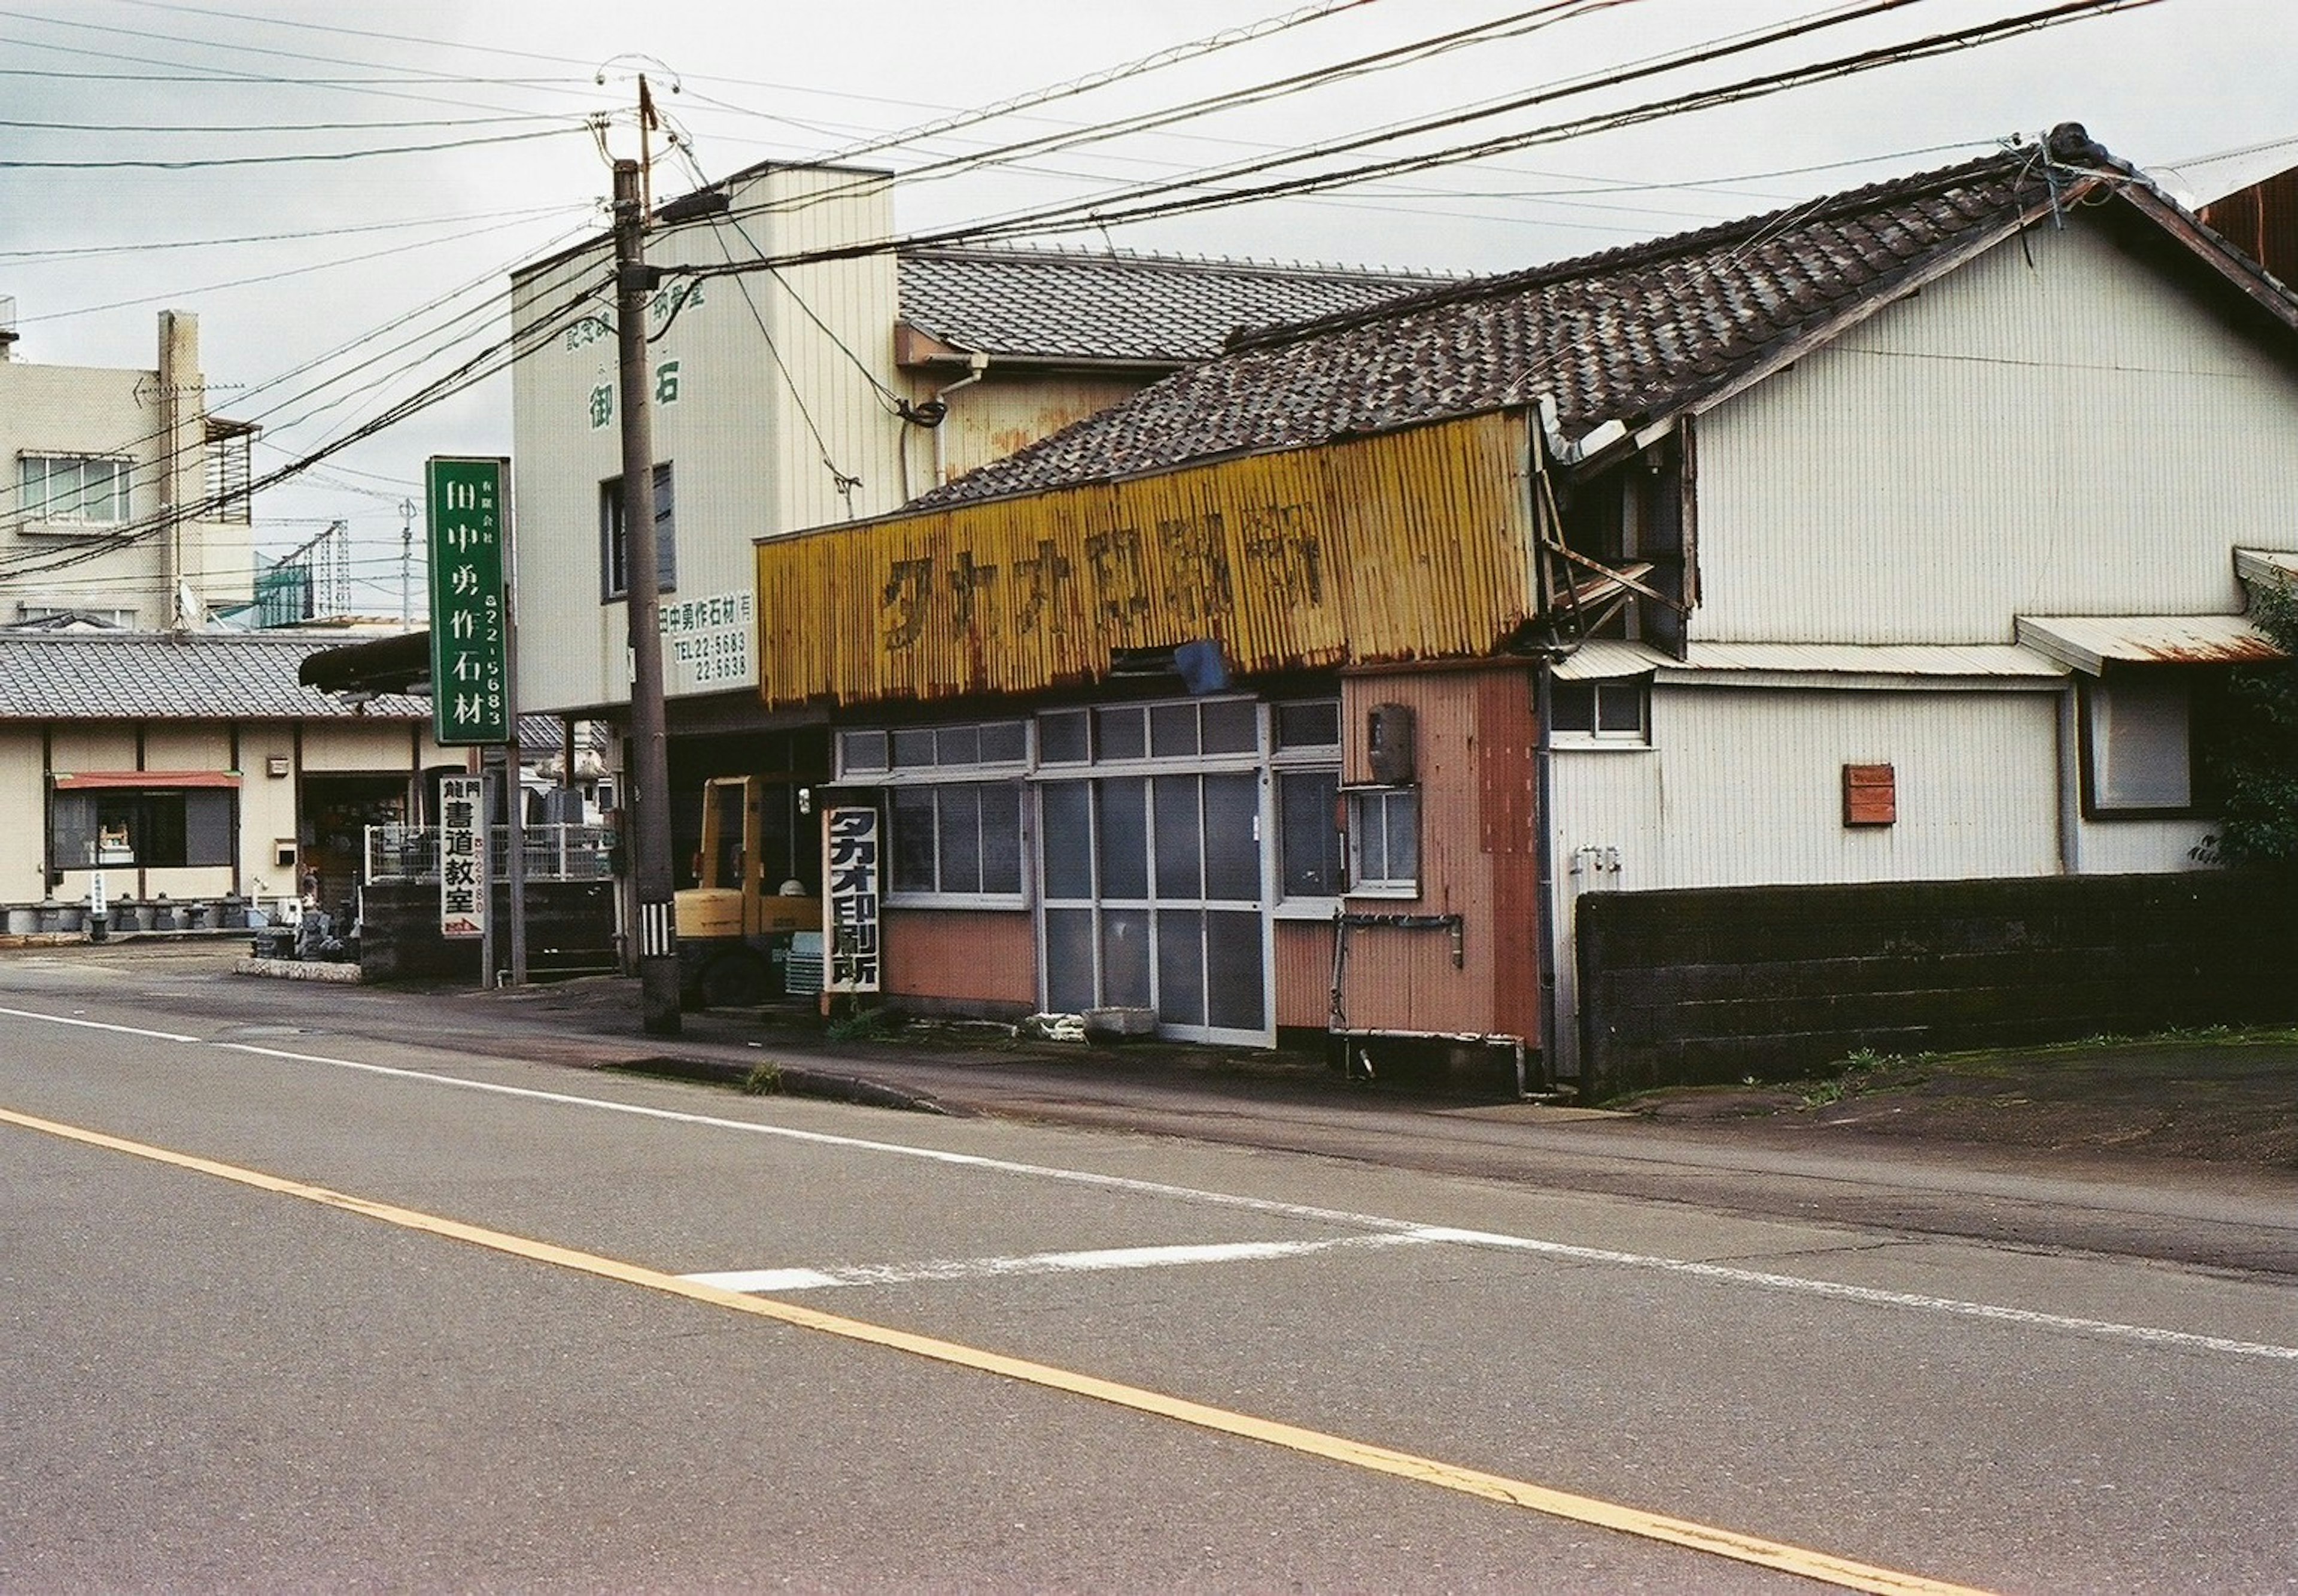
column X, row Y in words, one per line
column 99, row 250
column 200, row 163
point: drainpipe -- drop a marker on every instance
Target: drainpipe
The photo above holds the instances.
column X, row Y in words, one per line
column 1543, row 869
column 2070, row 753
column 977, row 366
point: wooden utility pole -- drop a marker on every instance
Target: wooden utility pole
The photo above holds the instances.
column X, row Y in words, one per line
column 650, row 743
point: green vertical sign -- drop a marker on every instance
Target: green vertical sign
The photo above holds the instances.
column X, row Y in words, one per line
column 470, row 622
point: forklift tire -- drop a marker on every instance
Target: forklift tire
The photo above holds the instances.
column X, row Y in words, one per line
column 734, row 980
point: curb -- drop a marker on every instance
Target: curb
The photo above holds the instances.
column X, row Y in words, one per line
column 790, row 1082
column 298, row 970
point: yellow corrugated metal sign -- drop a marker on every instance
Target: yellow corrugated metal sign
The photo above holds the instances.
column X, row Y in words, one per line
column 1409, row 545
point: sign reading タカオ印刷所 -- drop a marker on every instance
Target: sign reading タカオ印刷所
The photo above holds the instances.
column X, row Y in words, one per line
column 470, row 622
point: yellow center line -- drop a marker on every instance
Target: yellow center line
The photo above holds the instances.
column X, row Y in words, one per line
column 1822, row 1567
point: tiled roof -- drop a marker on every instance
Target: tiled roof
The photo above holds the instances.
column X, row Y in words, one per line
column 1631, row 334
column 167, row 676
column 1063, row 304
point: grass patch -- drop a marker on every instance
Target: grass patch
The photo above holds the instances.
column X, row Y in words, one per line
column 764, row 1080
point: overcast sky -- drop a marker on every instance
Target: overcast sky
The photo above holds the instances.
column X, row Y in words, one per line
column 2194, row 91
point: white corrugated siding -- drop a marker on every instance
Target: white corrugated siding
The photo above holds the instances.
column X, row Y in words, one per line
column 2068, row 436
column 1743, row 786
column 746, row 461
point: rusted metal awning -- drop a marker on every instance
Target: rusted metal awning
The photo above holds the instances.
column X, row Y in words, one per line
column 2266, row 564
column 86, row 780
column 2089, row 642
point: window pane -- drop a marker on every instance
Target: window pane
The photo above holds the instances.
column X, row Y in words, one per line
column 1068, row 960
column 1119, row 734
column 1124, row 958
column 1402, row 816
column 1122, row 839
column 863, row 750
column 1232, row 726
column 957, row 745
column 1232, row 837
column 1068, row 842
column 1061, row 738
column 1371, row 837
column 1620, row 705
column 1173, row 731
column 1179, row 844
column 1001, row 837
column 1181, row 966
column 1572, row 706
column 912, row 816
column 1308, row 725
column 961, row 837
column 914, row 748
column 1309, row 844
column 1003, row 742
column 207, row 828
column 1233, row 968
column 2141, row 721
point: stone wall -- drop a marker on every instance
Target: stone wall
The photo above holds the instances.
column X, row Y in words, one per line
column 1715, row 985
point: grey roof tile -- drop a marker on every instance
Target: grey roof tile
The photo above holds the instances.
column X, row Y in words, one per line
column 1631, row 333
column 1067, row 304
column 167, row 676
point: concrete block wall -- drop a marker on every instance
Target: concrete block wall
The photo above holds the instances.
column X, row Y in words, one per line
column 1716, row 985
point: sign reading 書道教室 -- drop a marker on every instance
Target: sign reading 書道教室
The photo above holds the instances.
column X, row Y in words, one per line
column 470, row 622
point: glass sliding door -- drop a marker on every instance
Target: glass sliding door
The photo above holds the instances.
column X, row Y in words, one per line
column 1152, row 893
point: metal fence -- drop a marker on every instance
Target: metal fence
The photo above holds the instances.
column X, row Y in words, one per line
column 561, row 853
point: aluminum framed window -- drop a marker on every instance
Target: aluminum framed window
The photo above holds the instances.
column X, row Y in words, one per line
column 1384, row 841
column 72, row 489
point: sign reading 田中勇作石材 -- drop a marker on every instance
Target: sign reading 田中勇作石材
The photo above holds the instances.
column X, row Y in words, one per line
column 849, row 898
column 470, row 622
column 462, row 857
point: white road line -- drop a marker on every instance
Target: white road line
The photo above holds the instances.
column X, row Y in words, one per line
column 1043, row 1263
column 125, row 1030
column 1375, row 1223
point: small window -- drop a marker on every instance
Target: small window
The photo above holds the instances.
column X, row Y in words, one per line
column 1615, row 710
column 73, row 489
column 859, row 751
column 1385, row 841
column 1063, row 739
column 957, row 839
column 1313, row 725
column 614, row 548
column 159, row 827
column 2137, row 754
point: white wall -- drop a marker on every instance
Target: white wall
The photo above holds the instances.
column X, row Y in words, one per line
column 757, row 379
column 2053, row 429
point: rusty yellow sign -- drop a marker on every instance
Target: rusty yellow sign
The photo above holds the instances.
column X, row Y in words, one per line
column 1409, row 545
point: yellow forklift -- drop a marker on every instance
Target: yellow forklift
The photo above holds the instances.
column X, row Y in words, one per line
column 760, row 896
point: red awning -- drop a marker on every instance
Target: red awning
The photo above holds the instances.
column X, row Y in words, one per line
column 83, row 779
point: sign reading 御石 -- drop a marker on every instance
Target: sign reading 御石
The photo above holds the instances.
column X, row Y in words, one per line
column 470, row 623
column 462, row 857
column 849, row 898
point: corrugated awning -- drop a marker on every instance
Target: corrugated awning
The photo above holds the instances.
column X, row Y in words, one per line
column 2088, row 642
column 2266, row 564
column 84, row 780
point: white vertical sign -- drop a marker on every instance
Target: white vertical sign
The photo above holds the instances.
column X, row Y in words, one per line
column 849, row 899
column 462, row 857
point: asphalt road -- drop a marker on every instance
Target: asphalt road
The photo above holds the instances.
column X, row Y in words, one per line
column 325, row 1290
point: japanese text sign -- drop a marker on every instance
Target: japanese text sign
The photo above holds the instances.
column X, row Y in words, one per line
column 849, row 898
column 462, row 857
column 470, row 624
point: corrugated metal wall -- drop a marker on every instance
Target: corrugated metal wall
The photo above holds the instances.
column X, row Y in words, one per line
column 1408, row 545
column 2048, row 431
column 995, row 417
column 1472, row 740
column 1743, row 786
column 961, row 955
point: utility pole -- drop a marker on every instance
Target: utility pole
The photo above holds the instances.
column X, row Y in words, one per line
column 406, row 564
column 650, row 745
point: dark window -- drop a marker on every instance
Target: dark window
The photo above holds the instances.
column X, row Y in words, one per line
column 1614, row 709
column 1313, row 850
column 957, row 836
column 158, row 827
column 614, row 547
